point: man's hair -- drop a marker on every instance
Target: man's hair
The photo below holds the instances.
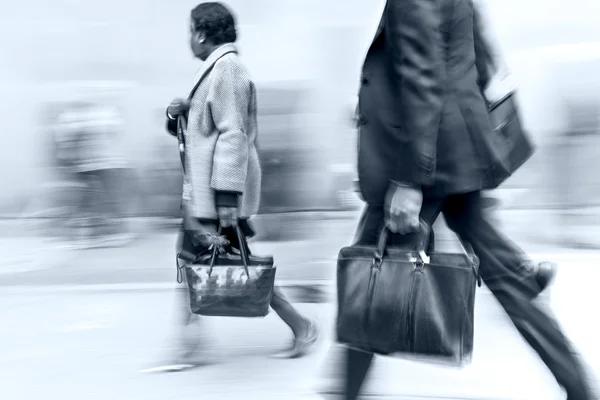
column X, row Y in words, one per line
column 215, row 21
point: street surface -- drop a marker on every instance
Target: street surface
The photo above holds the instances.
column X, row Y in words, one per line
column 86, row 323
column 95, row 345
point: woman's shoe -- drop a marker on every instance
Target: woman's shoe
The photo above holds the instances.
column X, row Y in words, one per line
column 170, row 367
column 302, row 343
column 183, row 362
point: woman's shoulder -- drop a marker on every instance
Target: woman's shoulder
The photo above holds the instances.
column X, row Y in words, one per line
column 231, row 71
column 231, row 64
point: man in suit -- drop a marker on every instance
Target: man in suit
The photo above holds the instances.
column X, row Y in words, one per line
column 422, row 119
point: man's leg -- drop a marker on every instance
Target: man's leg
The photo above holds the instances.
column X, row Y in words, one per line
column 358, row 363
column 515, row 286
column 369, row 228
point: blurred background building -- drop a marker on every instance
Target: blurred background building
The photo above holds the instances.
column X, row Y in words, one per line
column 305, row 57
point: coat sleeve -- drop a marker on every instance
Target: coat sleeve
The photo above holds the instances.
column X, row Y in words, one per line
column 229, row 105
column 413, row 37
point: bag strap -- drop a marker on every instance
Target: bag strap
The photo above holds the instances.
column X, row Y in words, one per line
column 182, row 119
column 181, row 131
column 423, row 244
column 205, row 72
column 243, row 251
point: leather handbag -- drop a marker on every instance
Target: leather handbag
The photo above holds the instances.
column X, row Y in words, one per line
column 509, row 144
column 401, row 301
column 224, row 283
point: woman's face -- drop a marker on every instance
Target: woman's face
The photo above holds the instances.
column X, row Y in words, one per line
column 198, row 43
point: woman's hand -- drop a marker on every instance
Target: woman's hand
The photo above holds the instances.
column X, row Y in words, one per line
column 228, row 216
column 177, row 108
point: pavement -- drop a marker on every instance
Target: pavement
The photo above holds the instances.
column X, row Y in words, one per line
column 307, row 258
column 84, row 323
column 97, row 344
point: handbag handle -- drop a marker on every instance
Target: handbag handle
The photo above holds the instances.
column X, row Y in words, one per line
column 421, row 244
column 181, row 128
column 243, row 251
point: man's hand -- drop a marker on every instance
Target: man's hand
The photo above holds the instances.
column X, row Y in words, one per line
column 228, row 216
column 403, row 206
column 178, row 107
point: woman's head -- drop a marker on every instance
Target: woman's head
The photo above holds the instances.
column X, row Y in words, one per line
column 212, row 25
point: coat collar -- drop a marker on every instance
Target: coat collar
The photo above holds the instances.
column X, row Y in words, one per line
column 210, row 62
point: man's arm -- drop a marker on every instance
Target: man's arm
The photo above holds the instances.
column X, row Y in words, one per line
column 413, row 34
column 229, row 105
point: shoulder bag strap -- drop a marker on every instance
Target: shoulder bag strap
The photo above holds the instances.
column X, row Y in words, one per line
column 182, row 119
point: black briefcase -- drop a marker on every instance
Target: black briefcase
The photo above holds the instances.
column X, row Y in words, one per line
column 399, row 301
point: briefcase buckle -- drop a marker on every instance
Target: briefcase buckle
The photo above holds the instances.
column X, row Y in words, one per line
column 419, row 260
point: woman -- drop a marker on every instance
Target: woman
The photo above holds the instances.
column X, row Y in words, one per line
column 222, row 181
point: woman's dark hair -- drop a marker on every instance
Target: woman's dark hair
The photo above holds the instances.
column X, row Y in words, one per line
column 215, row 21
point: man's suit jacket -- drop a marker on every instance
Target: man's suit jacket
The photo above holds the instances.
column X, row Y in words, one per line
column 422, row 115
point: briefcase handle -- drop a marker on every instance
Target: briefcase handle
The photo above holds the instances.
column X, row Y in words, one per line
column 243, row 251
column 421, row 257
column 422, row 241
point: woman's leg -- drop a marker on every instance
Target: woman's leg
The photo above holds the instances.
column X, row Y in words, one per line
column 299, row 324
column 189, row 331
column 305, row 331
column 279, row 303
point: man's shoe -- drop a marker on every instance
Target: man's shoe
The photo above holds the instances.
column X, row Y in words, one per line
column 545, row 273
column 302, row 343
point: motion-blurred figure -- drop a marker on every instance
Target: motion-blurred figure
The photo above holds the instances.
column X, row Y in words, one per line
column 87, row 133
column 222, row 179
column 422, row 115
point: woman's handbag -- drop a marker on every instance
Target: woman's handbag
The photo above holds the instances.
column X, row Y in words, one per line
column 509, row 143
column 396, row 300
column 227, row 284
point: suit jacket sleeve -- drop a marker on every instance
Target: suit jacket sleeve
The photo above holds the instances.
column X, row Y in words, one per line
column 229, row 104
column 413, row 35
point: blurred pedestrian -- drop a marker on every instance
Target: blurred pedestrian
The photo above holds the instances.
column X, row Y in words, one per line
column 422, row 121
column 222, row 181
column 99, row 166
